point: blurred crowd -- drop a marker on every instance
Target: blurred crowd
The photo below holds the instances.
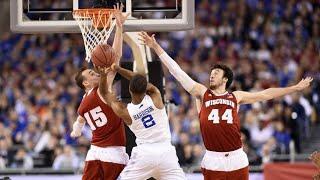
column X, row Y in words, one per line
column 267, row 43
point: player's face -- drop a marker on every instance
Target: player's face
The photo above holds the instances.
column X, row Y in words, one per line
column 216, row 78
column 91, row 78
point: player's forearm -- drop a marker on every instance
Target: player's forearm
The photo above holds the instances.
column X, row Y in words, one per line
column 117, row 43
column 187, row 83
column 158, row 49
column 272, row 93
column 77, row 126
column 125, row 73
column 110, row 78
column 103, row 85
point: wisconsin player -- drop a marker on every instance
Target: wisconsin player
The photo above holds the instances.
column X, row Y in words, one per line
column 106, row 157
column 219, row 121
column 154, row 155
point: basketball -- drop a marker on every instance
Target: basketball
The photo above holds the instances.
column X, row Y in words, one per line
column 103, row 55
column 73, row 75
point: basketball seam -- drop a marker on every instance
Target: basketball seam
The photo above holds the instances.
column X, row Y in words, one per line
column 101, row 62
column 103, row 52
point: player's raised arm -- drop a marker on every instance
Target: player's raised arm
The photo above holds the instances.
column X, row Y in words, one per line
column 77, row 127
column 119, row 108
column 123, row 72
column 152, row 91
column 271, row 93
column 118, row 37
column 194, row 88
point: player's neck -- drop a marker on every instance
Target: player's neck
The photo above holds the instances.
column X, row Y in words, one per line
column 219, row 90
column 137, row 99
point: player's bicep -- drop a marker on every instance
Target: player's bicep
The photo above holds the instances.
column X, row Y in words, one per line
column 249, row 97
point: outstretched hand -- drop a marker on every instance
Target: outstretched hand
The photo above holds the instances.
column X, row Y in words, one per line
column 147, row 40
column 120, row 17
column 304, row 83
column 315, row 158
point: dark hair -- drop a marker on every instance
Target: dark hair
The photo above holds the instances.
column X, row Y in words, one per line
column 227, row 73
column 80, row 78
column 138, row 84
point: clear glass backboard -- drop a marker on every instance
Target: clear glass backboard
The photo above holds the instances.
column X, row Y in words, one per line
column 55, row 16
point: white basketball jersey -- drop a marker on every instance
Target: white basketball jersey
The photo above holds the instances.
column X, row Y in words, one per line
column 149, row 124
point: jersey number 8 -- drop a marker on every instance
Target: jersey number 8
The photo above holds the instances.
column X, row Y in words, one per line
column 148, row 121
column 98, row 117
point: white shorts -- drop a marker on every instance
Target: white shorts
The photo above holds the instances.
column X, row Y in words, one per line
column 225, row 161
column 157, row 160
column 113, row 154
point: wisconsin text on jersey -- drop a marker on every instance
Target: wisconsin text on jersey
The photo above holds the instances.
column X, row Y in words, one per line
column 143, row 113
column 219, row 101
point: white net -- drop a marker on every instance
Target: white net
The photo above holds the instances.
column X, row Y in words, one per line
column 96, row 27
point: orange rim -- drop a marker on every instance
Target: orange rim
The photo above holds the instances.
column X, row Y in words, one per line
column 100, row 16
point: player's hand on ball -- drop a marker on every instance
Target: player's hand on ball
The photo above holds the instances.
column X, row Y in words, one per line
column 120, row 18
column 103, row 70
column 73, row 134
column 114, row 67
column 147, row 40
column 304, row 83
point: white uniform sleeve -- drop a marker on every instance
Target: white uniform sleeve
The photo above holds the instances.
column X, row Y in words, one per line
column 177, row 72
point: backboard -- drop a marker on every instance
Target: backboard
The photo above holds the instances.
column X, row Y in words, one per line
column 55, row 16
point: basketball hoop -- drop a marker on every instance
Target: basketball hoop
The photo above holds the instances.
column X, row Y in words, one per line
column 96, row 26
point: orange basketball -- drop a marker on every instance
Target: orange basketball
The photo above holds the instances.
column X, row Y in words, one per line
column 103, row 55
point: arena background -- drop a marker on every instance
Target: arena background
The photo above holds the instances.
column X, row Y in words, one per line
column 267, row 43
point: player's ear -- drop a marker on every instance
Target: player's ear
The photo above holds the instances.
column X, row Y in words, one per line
column 225, row 79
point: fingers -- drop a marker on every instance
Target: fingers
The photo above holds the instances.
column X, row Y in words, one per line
column 153, row 37
column 141, row 39
column 308, row 79
column 104, row 70
column 144, row 34
column 118, row 7
column 121, row 7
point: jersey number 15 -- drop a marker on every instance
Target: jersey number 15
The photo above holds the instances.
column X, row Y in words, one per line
column 98, row 117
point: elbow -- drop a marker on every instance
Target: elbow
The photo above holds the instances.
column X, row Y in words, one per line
column 267, row 97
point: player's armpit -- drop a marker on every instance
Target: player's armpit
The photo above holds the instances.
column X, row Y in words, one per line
column 198, row 91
